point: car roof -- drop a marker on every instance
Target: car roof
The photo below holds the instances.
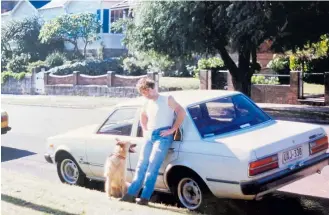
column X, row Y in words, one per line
column 184, row 97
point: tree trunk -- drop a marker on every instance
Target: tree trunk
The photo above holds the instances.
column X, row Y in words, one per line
column 85, row 50
column 241, row 74
column 241, row 81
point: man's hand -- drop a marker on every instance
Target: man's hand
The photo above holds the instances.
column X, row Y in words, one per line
column 167, row 132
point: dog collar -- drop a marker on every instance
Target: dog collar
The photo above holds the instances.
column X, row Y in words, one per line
column 120, row 156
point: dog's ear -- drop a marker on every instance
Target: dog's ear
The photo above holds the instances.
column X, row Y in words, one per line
column 120, row 143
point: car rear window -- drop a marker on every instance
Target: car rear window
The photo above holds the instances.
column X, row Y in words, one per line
column 227, row 114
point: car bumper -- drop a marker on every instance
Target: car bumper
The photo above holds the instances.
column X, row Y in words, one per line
column 284, row 177
column 48, row 158
column 4, row 130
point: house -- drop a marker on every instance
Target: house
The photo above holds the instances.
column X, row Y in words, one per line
column 108, row 11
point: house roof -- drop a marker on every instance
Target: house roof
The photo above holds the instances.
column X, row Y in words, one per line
column 124, row 4
column 18, row 5
column 54, row 4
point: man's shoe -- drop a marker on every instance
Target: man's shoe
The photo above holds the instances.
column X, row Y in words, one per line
column 142, row 201
column 128, row 198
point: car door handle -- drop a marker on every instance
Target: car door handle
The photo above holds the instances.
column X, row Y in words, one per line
column 172, row 149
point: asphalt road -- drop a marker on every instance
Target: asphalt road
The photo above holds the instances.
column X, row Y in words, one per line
column 23, row 147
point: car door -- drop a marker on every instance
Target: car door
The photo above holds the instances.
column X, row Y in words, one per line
column 137, row 137
column 118, row 125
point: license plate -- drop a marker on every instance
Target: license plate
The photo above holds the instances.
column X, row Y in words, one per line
column 292, row 154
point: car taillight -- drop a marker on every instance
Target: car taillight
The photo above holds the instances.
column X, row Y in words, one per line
column 319, row 145
column 263, row 165
column 4, row 118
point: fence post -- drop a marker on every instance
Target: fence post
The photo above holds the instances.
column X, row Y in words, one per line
column 75, row 78
column 205, row 79
column 45, row 77
column 295, row 84
column 110, row 78
column 326, row 88
column 155, row 77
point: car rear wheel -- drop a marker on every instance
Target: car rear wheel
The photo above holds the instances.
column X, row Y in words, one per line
column 192, row 193
column 69, row 171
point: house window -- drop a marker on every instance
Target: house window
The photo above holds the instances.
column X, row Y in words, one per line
column 118, row 14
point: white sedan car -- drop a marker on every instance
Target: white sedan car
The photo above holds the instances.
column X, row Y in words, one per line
column 227, row 147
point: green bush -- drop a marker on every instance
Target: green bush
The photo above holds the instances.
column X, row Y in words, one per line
column 211, row 63
column 133, row 66
column 214, row 63
column 38, row 64
column 280, row 65
column 89, row 67
column 55, row 59
column 260, row 79
column 18, row 63
column 6, row 74
column 142, row 62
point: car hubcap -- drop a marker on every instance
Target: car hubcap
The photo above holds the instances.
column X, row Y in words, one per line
column 69, row 171
column 189, row 193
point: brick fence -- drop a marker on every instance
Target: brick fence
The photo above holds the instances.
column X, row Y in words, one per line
column 262, row 93
column 110, row 84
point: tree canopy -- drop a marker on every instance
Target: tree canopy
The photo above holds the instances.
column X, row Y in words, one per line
column 183, row 28
column 71, row 28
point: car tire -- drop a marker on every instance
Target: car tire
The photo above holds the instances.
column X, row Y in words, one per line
column 69, row 171
column 192, row 193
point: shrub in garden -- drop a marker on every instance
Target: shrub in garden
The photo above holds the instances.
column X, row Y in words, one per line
column 55, row 59
column 280, row 65
column 89, row 67
column 260, row 79
column 38, row 65
column 18, row 63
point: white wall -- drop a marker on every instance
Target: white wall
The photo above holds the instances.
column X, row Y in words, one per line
column 24, row 10
column 110, row 41
column 51, row 13
column 83, row 6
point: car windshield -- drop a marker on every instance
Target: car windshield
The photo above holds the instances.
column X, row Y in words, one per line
column 227, row 114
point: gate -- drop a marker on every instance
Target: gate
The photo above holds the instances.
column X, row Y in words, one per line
column 39, row 82
column 312, row 85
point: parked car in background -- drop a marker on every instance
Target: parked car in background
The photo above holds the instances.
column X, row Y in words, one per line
column 227, row 147
column 4, row 122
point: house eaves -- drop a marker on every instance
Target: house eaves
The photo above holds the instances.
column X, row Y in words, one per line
column 18, row 5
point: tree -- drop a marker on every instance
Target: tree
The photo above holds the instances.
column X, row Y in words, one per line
column 71, row 28
column 21, row 37
column 180, row 28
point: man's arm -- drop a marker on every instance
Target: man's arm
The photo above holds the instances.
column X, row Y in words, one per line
column 179, row 110
column 143, row 119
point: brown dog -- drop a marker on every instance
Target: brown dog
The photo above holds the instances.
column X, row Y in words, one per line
column 115, row 169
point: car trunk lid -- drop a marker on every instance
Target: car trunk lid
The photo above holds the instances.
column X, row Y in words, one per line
column 271, row 138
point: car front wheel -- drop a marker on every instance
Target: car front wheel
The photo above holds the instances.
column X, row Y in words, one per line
column 69, row 172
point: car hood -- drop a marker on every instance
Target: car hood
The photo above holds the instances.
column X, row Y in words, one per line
column 268, row 138
column 79, row 132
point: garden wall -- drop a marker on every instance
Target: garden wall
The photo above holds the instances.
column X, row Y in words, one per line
column 14, row 86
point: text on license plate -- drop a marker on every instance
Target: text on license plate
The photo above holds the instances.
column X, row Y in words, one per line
column 292, row 154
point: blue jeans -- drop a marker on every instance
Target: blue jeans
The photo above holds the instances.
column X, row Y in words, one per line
column 150, row 160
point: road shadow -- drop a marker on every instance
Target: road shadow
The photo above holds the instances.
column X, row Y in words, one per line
column 8, row 153
column 272, row 204
column 36, row 207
